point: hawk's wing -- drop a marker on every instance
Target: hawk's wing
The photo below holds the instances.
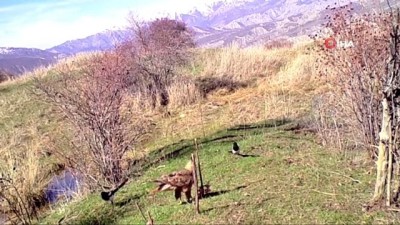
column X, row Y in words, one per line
column 176, row 179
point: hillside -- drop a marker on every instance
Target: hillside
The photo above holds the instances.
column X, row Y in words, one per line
column 240, row 22
column 288, row 178
column 255, row 22
column 97, row 42
column 17, row 61
column 263, row 99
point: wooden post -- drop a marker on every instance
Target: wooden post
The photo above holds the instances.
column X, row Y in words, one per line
column 141, row 212
column 199, row 168
column 196, row 191
column 148, row 221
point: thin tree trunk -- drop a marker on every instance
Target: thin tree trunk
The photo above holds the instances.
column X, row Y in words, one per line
column 196, row 187
column 382, row 162
column 199, row 169
column 390, row 168
column 396, row 180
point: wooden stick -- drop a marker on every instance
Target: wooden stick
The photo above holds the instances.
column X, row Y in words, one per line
column 355, row 180
column 325, row 193
column 150, row 221
column 199, row 168
column 141, row 212
column 394, row 209
column 195, row 184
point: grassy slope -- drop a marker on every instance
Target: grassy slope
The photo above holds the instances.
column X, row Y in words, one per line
column 293, row 180
column 289, row 182
column 24, row 119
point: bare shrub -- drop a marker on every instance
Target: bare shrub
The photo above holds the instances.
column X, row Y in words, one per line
column 243, row 65
column 388, row 164
column 356, row 72
column 93, row 99
column 157, row 50
column 278, row 43
column 368, row 74
column 208, row 85
column 183, row 91
column 21, row 178
column 4, row 76
column 331, row 118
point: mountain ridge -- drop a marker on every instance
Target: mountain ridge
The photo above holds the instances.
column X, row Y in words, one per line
column 240, row 22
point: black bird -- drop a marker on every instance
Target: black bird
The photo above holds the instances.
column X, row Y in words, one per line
column 109, row 195
column 235, row 148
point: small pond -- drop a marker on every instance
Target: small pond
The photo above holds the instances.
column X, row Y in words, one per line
column 66, row 184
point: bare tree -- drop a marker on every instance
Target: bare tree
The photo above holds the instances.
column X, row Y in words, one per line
column 157, row 50
column 354, row 55
column 388, row 163
column 4, row 76
column 18, row 203
column 93, row 99
column 368, row 74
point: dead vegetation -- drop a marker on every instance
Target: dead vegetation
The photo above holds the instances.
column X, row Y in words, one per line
column 5, row 76
column 213, row 90
column 355, row 76
column 93, row 101
column 364, row 101
column 199, row 103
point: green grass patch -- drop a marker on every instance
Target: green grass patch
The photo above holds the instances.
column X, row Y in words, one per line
column 292, row 179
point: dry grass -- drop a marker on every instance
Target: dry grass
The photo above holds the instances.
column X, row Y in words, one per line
column 247, row 86
column 284, row 91
column 183, row 92
column 21, row 163
column 243, row 64
column 27, row 128
column 279, row 43
column 73, row 62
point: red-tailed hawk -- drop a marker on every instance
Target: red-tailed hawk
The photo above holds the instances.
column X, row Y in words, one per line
column 179, row 181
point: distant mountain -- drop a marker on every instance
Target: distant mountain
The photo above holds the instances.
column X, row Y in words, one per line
column 16, row 61
column 252, row 22
column 97, row 42
column 5, row 75
column 242, row 22
column 257, row 21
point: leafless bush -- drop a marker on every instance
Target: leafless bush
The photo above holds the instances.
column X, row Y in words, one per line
column 21, row 179
column 20, row 205
column 368, row 74
column 4, row 76
column 209, row 84
column 278, row 43
column 157, row 50
column 93, row 99
column 356, row 65
column 332, row 119
column 388, row 164
column 183, row 91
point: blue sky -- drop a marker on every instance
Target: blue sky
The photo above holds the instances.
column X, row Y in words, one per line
column 46, row 23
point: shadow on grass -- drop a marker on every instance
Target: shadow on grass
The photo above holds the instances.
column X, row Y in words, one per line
column 128, row 200
column 217, row 193
column 265, row 124
column 108, row 214
column 236, row 205
column 246, row 155
column 185, row 147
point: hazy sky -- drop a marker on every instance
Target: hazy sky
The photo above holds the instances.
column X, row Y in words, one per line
column 46, row 23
